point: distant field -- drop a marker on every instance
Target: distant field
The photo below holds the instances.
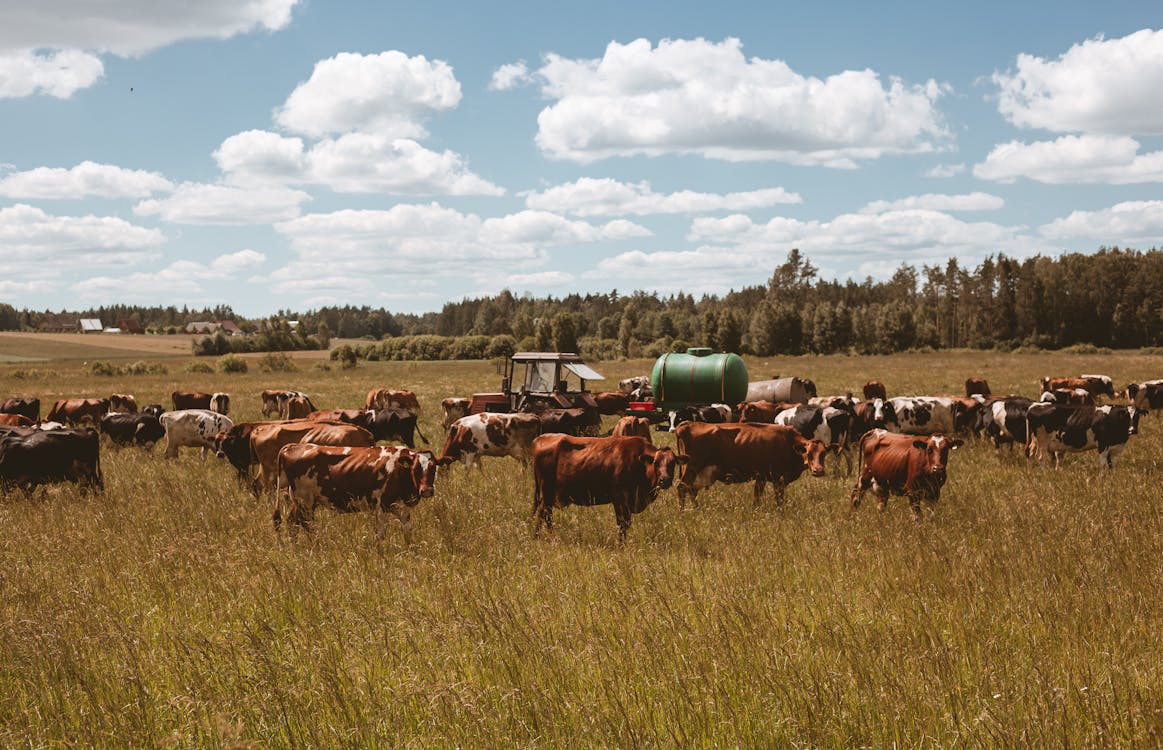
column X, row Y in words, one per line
column 1025, row 610
column 31, row 347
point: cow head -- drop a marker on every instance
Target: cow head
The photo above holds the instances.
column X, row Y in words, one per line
column 661, row 467
column 813, row 452
column 936, row 450
column 880, row 413
column 1134, row 412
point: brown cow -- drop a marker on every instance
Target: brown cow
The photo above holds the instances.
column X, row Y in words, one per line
column 489, row 434
column 1076, row 396
column 29, row 407
column 216, row 402
column 632, row 427
column 764, row 412
column 273, row 400
column 234, row 446
column 902, row 465
column 385, row 398
column 15, row 420
column 976, row 387
column 579, row 421
column 265, row 442
column 875, row 389
column 744, row 452
column 358, row 417
column 454, row 409
column 79, row 410
column 611, row 402
column 389, row 479
column 122, row 403
column 297, row 407
column 1097, row 385
column 626, row 471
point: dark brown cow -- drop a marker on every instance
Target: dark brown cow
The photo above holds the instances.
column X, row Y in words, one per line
column 611, row 402
column 79, row 410
column 902, row 465
column 580, row 422
column 454, row 409
column 389, row 479
column 29, row 458
column 764, row 412
column 122, row 403
column 16, row 420
column 28, row 407
column 266, row 441
column 297, row 407
column 626, row 471
column 875, row 389
column 976, row 387
column 489, row 434
column 745, row 452
column 216, row 402
column 632, row 427
column 234, row 446
column 386, row 398
column 1097, row 385
column 967, row 414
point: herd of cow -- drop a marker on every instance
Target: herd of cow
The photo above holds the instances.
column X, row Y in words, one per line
column 306, row 457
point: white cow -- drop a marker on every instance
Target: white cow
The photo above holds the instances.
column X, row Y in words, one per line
column 489, row 434
column 192, row 428
column 924, row 415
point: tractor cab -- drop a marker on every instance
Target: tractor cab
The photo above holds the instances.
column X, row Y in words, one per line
column 535, row 381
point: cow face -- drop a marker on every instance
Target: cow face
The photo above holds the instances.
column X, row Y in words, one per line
column 880, row 413
column 664, row 462
column 424, row 473
column 936, row 450
column 813, row 452
column 1134, row 412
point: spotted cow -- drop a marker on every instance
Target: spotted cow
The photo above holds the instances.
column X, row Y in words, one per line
column 489, row 434
column 192, row 428
column 827, row 424
column 1058, row 428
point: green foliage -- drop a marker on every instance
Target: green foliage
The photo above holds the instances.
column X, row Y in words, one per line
column 276, row 362
column 232, row 363
column 108, row 369
column 104, row 369
column 199, row 367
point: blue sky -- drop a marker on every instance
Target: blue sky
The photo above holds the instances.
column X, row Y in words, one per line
column 282, row 154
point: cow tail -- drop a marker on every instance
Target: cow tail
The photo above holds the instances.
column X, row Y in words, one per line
column 100, row 474
column 421, row 434
column 1030, row 444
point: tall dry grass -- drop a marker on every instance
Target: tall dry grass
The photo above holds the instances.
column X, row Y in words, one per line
column 1025, row 610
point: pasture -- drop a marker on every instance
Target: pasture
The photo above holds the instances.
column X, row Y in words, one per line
column 1025, row 610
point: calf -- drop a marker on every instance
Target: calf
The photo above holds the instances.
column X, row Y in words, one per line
column 827, row 424
column 628, row 472
column 1060, row 428
column 132, row 429
column 192, row 428
column 30, row 458
column 488, row 434
column 745, row 452
column 902, row 465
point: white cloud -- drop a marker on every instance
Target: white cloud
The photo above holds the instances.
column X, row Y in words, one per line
column 39, row 245
column 84, row 180
column 193, row 203
column 182, row 277
column 540, row 279
column 590, row 196
column 260, row 157
column 938, row 202
column 58, row 73
column 133, row 27
column 546, row 228
column 1129, row 223
column 389, row 94
column 946, row 170
column 509, row 76
column 699, row 97
column 1105, row 159
column 1097, row 86
column 367, row 163
column 235, row 263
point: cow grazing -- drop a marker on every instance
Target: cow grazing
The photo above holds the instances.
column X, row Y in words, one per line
column 453, row 409
column 611, row 402
column 745, row 452
column 388, row 479
column 628, row 472
column 132, row 429
column 392, row 424
column 629, row 385
column 827, row 424
column 966, row 412
column 976, row 387
column 75, row 411
column 488, row 434
column 924, row 415
column 1097, row 385
column 385, row 398
column 579, row 421
column 15, row 420
column 1146, row 396
column 632, row 427
column 1003, row 420
column 1058, row 428
column 192, row 428
column 713, row 414
column 1075, row 396
column 30, row 458
column 296, row 407
column 122, row 403
column 27, row 407
column 874, row 389
column 234, row 446
column 914, row 467
column 267, row 440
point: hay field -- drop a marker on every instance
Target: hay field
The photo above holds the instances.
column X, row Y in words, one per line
column 1024, row 611
column 20, row 346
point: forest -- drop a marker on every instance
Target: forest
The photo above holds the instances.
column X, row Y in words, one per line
column 1111, row 298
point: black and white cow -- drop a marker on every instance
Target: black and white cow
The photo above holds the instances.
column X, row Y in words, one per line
column 713, row 414
column 192, row 428
column 393, row 424
column 827, row 424
column 876, row 413
column 924, row 415
column 132, row 429
column 1058, row 428
column 629, row 385
column 1147, row 395
column 1003, row 420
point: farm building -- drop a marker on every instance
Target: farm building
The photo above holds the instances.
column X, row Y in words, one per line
column 90, row 325
column 130, row 325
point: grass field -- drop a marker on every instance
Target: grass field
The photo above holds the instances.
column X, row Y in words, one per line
column 31, row 347
column 1024, row 611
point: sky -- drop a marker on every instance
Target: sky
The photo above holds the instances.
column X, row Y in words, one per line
column 289, row 154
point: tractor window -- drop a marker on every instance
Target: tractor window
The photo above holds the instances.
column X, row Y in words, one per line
column 539, row 377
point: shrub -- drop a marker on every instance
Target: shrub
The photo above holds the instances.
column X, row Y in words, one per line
column 199, row 367
column 141, row 367
column 102, row 368
column 276, row 362
column 232, row 363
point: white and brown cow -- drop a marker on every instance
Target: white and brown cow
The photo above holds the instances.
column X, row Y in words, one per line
column 454, row 409
column 1097, row 385
column 1059, row 428
column 924, row 415
column 902, row 465
column 1146, row 396
column 824, row 423
column 192, row 428
column 488, row 434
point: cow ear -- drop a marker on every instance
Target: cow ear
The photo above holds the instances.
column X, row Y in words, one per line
column 801, row 448
column 922, row 444
column 682, row 459
column 646, row 458
column 956, row 443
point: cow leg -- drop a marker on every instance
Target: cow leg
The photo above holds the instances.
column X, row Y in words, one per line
column 544, row 515
column 203, row 453
column 858, row 490
column 847, row 460
column 757, row 492
column 400, row 511
column 622, row 515
column 1057, row 460
column 780, row 488
column 171, row 449
column 683, row 491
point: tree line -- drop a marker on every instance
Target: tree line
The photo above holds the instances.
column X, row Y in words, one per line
column 1112, row 298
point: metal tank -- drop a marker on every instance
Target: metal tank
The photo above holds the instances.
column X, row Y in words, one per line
column 698, row 377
